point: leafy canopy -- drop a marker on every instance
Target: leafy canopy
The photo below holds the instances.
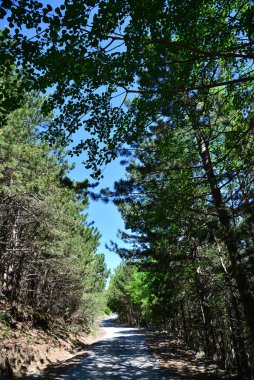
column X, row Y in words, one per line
column 97, row 55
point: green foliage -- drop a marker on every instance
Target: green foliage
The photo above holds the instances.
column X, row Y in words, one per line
column 119, row 296
column 47, row 249
column 5, row 330
column 187, row 202
column 150, row 55
column 174, row 81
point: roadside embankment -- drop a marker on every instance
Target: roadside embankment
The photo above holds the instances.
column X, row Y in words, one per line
column 25, row 349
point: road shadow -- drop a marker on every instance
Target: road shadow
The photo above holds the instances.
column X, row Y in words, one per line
column 125, row 356
column 103, row 363
column 181, row 362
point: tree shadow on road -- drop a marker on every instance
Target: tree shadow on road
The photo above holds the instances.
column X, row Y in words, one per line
column 183, row 363
column 125, row 357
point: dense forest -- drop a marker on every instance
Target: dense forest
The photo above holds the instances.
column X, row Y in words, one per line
column 188, row 203
column 168, row 85
column 48, row 265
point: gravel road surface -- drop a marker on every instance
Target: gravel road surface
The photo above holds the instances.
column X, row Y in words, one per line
column 122, row 354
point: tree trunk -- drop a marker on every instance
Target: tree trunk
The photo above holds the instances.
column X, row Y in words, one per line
column 228, row 234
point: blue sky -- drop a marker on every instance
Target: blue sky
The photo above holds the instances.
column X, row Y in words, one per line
column 106, row 217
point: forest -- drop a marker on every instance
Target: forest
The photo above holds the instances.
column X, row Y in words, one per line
column 166, row 85
column 47, row 255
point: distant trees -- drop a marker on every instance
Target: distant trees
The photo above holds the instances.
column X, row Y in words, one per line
column 47, row 250
column 120, row 297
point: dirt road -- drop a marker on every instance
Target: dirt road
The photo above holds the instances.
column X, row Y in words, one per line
column 122, row 354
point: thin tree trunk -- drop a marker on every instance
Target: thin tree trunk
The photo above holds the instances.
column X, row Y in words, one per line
column 235, row 320
column 228, row 234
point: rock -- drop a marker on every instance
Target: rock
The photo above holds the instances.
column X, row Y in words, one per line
column 200, row 355
column 6, row 372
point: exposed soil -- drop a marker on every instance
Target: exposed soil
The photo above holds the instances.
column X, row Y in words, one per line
column 25, row 349
column 31, row 351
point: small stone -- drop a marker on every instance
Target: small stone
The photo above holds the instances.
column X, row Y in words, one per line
column 200, row 354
